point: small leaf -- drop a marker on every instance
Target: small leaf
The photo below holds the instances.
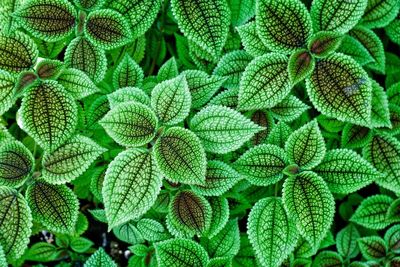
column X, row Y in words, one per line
column 250, row 39
column 222, row 129
column 271, row 232
column 42, row 252
column 49, row 69
column 327, row 259
column 131, row 185
column 220, row 215
column 263, row 119
column 168, row 70
column 227, row 98
column 289, row 109
column 392, row 31
column 279, row 134
column 309, row 202
column 77, row 83
column 301, row 64
column 152, row 230
column 380, row 115
column 7, row 92
column 283, row 25
column 241, row 11
column 99, row 215
column 392, row 238
column 378, row 14
column 324, row 43
column 107, row 29
column 372, row 247
column 96, row 111
column 81, row 244
column 346, row 241
column 128, row 94
column 128, row 73
column 128, row 233
column 25, row 80
column 354, row 136
column 100, row 259
column 130, row 124
column 265, row 82
column 48, row 20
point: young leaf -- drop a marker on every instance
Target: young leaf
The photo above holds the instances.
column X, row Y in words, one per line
column 128, row 94
column 131, row 185
column 283, row 26
column 171, row 100
column 128, row 73
column 378, row 14
column 250, row 39
column 15, row 223
column 220, row 215
column 340, row 88
column 327, row 259
column 279, row 134
column 81, row 244
column 380, row 115
column 97, row 110
column 100, row 259
column 7, row 92
column 99, row 215
column 77, row 83
column 263, row 119
column 168, row 70
column 152, row 230
column 70, row 160
column 130, row 124
column 54, row 206
column 42, row 252
column 262, row 165
column 392, row 238
column 324, row 43
column 265, row 82
column 346, row 241
column 49, row 69
column 309, row 202
column 128, row 233
column 49, row 20
column 107, row 29
column 222, row 129
column 289, row 109
column 354, row 136
column 372, row 247
column 300, row 66
column 271, row 232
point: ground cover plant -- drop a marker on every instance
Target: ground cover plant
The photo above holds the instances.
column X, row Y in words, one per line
column 200, row 133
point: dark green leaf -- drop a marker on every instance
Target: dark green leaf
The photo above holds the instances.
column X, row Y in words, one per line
column 128, row 73
column 372, row 247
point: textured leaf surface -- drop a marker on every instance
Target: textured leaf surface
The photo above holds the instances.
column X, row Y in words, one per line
column 128, row 94
column 128, row 73
column 152, row 230
column 225, row 242
column 392, row 238
column 168, row 70
column 380, row 115
column 220, row 215
column 77, row 83
column 279, row 134
column 354, row 136
column 128, row 233
column 324, row 43
column 47, row 68
column 250, row 39
column 7, row 82
column 346, row 241
column 241, row 11
column 301, row 64
column 372, row 247
column 100, row 259
column 352, row 47
column 379, row 13
column 289, row 109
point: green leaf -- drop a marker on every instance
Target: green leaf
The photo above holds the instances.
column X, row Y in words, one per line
column 300, row 66
column 245, row 256
column 345, row 171
column 336, row 15
column 220, row 215
column 179, row 252
column 309, row 202
column 42, row 252
column 378, row 14
column 392, row 238
column 380, row 115
column 279, row 134
column 346, row 241
column 49, row 20
column 99, row 215
column 222, row 129
column 327, row 259
column 354, row 136
column 305, row 146
column 49, row 69
column 204, row 22
column 83, row 55
column 89, row 4
column 128, row 94
column 96, row 111
column 3, row 262
column 220, row 262
column 131, row 185
column 77, row 83
column 171, row 100
column 70, row 160
column 250, row 39
column 7, row 20
column 15, row 223
column 352, row 47
column 96, row 181
column 372, row 247
column 180, row 156
column 130, row 124
column 25, row 80
column 128, row 233
column 7, row 91
column 263, row 119
column 393, row 32
column 393, row 93
column 340, row 88
column 100, row 259
column 372, row 212
column 272, row 233
column 324, row 43
column 81, row 244
column 16, row 163
column 168, row 70
column 262, row 165
column 17, row 52
column 393, row 213
column 48, row 114
column 283, row 25
column 265, row 82
column 383, row 152
column 107, row 29
column 241, row 11
column 289, row 109
column 152, row 230
column 128, row 73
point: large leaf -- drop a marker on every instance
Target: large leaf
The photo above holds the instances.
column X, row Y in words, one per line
column 272, row 233
column 128, row 73
column 309, row 202
column 340, row 88
column 222, row 129
column 77, row 83
column 346, row 241
column 54, row 206
column 379, row 13
column 131, row 185
column 180, row 156
column 49, row 20
column 100, row 259
column 7, row 99
column 48, row 114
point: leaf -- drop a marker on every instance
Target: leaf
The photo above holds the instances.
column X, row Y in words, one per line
column 305, row 146
column 16, row 163
column 279, row 134
column 345, row 171
column 100, row 259
column 128, row 233
column 227, row 98
column 77, row 83
column 383, row 152
column 152, row 230
column 49, row 69
column 263, row 119
column 262, row 165
column 271, row 232
column 245, row 256
column 17, row 52
column 241, row 11
column 171, row 100
column 3, row 262
column 96, row 111
column 130, row 124
column 265, row 82
column 7, row 91
column 352, row 47
column 309, row 202
column 289, row 109
column 392, row 238
column 190, row 213
column 220, row 262
column 283, row 26
column 393, row 213
column 48, row 114
column 372, row 212
column 8, row 21
column 392, row 31
column 204, row 22
column 128, row 94
column 128, row 73
column 354, row 136
column 179, row 252
column 81, row 244
column 324, row 43
column 131, row 185
column 222, row 129
column 340, row 88
column 380, row 115
column 85, row 56
column 70, row 160
column 99, row 215
column 42, row 252
column 301, row 64
column 378, row 14
column 48, row 20
column 89, row 4
column 15, row 223
column 328, row 258
column 107, row 29
column 346, row 241
column 168, row 70
column 250, row 39
column 372, row 247
column 336, row 15
column 220, row 215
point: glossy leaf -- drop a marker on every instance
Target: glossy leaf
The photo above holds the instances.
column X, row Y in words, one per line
column 128, row 94
column 100, row 259
column 77, row 83
column 128, row 73
column 378, row 14
column 225, row 242
column 300, row 66
column 324, row 43
column 250, row 39
column 346, row 241
column 372, row 247
column 289, row 109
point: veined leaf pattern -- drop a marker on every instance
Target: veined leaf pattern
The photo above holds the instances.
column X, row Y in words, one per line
column 128, row 73
column 128, row 94
column 100, row 259
column 372, row 247
column 7, row 81
column 77, row 83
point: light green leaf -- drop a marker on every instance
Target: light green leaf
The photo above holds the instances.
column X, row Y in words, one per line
column 380, row 115
column 152, row 230
column 379, row 13
column 128, row 73
column 330, row 124
column 279, row 134
column 131, row 185
column 354, row 136
column 372, row 247
column 96, row 111
column 77, row 83
column 89, row 4
column 241, row 11
column 300, row 66
column 222, row 129
column 7, row 20
column 289, row 109
column 324, row 43
column 250, row 39
column 271, row 232
column 7, row 99
column 128, row 94
column 227, row 98
column 309, row 202
column 220, row 262
column 100, row 259
column 130, row 124
column 168, row 70
column 340, row 88
column 220, row 215
column 99, row 215
column 346, row 241
column 128, row 233
column 81, row 244
column 265, row 82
